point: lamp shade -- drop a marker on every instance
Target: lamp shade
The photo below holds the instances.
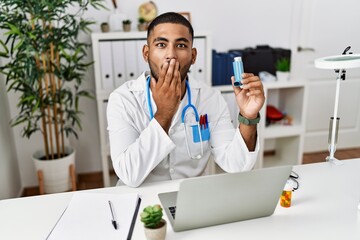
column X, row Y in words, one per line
column 338, row 62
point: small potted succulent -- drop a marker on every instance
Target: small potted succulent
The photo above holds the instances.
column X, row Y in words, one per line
column 142, row 25
column 282, row 67
column 126, row 25
column 155, row 225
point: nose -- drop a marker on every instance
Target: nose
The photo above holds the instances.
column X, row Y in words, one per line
column 171, row 53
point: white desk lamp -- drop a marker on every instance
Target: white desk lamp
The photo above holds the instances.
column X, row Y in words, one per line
column 339, row 64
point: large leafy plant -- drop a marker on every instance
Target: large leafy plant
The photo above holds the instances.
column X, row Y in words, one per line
column 46, row 64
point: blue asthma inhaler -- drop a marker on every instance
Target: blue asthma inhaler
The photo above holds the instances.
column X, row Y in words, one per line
column 238, row 71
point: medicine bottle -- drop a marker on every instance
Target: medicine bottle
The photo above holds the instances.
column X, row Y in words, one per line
column 285, row 199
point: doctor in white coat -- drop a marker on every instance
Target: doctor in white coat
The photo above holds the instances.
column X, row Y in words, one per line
column 165, row 124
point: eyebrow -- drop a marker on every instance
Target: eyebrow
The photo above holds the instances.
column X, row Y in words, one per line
column 162, row 39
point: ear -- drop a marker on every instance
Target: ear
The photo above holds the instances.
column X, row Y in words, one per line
column 193, row 55
column 145, row 52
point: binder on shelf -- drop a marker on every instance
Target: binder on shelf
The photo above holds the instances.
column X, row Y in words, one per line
column 131, row 63
column 222, row 69
column 199, row 66
column 107, row 77
column 118, row 62
column 229, row 66
column 88, row 216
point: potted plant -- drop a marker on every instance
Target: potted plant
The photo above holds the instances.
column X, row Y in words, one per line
column 155, row 225
column 45, row 66
column 282, row 67
column 126, row 25
column 142, row 25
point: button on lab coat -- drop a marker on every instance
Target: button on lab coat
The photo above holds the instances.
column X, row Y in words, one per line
column 142, row 151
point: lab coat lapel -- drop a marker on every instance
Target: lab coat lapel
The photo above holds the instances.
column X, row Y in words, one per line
column 195, row 90
column 139, row 89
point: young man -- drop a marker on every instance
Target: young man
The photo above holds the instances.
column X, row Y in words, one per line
column 152, row 127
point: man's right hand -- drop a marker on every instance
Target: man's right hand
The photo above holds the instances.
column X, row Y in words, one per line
column 167, row 93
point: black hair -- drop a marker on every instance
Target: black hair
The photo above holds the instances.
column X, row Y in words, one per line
column 171, row 17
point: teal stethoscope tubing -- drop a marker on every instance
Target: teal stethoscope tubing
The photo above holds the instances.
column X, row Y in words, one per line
column 189, row 105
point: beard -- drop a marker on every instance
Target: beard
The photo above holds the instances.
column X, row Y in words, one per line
column 183, row 70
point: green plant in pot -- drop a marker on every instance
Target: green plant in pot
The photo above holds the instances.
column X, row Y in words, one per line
column 155, row 225
column 142, row 24
column 126, row 25
column 283, row 64
column 45, row 65
column 282, row 67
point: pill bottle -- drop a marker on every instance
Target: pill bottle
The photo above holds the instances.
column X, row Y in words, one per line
column 285, row 199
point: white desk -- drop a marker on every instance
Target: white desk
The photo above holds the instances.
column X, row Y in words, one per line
column 324, row 207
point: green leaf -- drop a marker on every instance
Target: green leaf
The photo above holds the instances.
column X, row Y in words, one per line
column 6, row 50
column 28, row 37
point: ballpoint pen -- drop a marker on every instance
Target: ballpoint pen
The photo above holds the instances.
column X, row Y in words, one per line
column 206, row 122
column 201, row 121
column 113, row 221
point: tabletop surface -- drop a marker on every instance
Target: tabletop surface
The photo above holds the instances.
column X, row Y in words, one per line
column 324, row 207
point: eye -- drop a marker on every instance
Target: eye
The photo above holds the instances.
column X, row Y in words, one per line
column 181, row 45
column 160, row 45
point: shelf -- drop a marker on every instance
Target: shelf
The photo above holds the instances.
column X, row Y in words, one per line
column 286, row 151
column 288, row 84
column 273, row 131
column 224, row 88
column 269, row 86
column 285, row 141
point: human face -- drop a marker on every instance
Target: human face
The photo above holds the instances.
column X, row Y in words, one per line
column 169, row 41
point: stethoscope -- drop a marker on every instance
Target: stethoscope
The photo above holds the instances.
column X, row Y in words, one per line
column 183, row 113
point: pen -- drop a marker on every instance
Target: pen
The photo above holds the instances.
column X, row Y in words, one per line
column 206, row 122
column 114, row 223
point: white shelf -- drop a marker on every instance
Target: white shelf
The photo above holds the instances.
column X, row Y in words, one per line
column 285, row 141
column 282, row 131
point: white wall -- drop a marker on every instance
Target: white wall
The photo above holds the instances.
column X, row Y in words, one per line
column 232, row 24
column 9, row 170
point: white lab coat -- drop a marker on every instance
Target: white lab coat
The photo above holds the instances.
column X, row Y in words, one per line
column 142, row 151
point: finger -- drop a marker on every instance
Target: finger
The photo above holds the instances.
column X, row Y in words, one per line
column 153, row 84
column 246, row 75
column 162, row 74
column 237, row 90
column 254, row 92
column 251, row 82
column 249, row 77
column 176, row 77
column 170, row 71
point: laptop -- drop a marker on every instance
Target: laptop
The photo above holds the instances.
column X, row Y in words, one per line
column 224, row 198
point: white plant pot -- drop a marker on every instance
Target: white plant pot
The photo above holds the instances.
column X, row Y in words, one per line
column 282, row 76
column 56, row 173
column 156, row 233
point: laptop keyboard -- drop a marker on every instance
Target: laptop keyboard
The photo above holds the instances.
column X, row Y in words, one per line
column 172, row 211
